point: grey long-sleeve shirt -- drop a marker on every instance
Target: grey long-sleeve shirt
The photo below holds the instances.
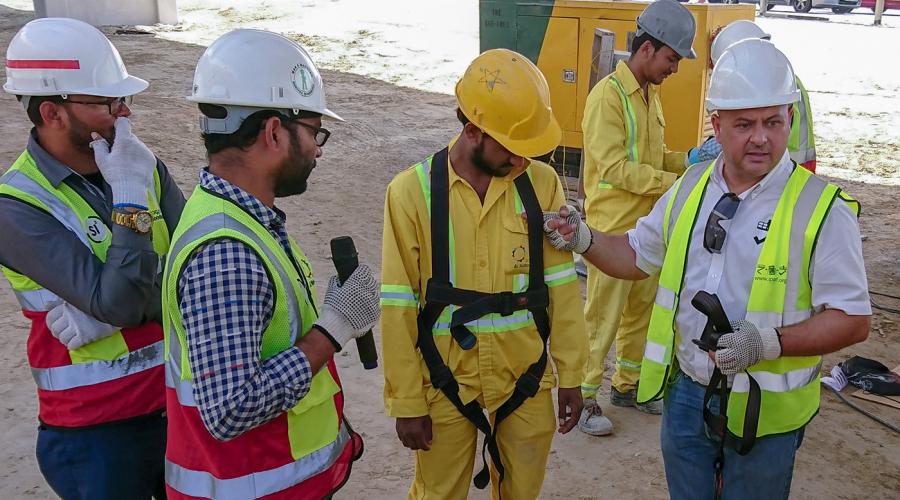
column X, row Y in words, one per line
column 124, row 291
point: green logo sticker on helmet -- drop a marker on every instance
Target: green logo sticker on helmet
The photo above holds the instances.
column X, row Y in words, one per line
column 303, row 80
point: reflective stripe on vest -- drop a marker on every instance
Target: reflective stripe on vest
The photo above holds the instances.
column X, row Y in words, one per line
column 81, row 374
column 780, row 295
column 108, row 358
column 202, row 484
column 207, row 217
column 802, row 141
column 631, row 149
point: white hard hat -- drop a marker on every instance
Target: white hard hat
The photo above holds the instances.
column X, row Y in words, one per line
column 733, row 33
column 248, row 70
column 60, row 56
column 752, row 73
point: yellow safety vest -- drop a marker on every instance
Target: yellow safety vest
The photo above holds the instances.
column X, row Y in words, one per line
column 780, row 295
column 802, row 142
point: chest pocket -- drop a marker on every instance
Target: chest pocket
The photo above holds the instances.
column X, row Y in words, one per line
column 514, row 252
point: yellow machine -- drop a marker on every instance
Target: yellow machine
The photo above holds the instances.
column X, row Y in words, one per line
column 558, row 36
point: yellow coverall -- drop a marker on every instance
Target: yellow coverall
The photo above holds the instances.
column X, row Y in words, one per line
column 490, row 254
column 627, row 168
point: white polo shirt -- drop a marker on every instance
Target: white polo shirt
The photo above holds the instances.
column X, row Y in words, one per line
column 837, row 272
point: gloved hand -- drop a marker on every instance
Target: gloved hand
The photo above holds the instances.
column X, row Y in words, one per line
column 127, row 167
column 746, row 346
column 74, row 328
column 709, row 150
column 350, row 309
column 581, row 238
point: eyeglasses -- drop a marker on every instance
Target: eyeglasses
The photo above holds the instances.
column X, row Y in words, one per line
column 114, row 104
column 714, row 235
column 322, row 134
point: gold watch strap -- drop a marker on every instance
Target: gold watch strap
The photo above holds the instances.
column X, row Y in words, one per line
column 123, row 219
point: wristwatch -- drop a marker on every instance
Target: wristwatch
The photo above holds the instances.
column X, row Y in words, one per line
column 139, row 222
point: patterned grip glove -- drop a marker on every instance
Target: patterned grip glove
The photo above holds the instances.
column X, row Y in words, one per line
column 350, row 309
column 581, row 239
column 746, row 346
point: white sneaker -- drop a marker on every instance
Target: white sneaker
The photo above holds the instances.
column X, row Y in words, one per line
column 592, row 420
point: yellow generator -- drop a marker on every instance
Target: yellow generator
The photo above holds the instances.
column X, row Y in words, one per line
column 558, row 36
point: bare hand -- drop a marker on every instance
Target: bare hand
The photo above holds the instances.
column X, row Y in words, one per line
column 570, row 406
column 415, row 432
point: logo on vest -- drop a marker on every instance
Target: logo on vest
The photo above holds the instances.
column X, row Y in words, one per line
column 95, row 229
column 771, row 273
column 762, row 228
column 520, row 257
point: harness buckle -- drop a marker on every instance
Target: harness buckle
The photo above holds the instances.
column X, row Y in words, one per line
column 508, row 302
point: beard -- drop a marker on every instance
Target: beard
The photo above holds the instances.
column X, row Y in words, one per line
column 294, row 172
column 80, row 135
column 483, row 165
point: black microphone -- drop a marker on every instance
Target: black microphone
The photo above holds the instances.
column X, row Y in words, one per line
column 346, row 260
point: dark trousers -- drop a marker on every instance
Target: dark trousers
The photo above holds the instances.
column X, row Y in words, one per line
column 120, row 461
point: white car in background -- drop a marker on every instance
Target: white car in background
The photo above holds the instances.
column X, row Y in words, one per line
column 836, row 6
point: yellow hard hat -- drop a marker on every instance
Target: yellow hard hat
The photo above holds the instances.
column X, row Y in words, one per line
column 505, row 95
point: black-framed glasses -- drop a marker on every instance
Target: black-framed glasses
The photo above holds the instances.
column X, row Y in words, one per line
column 113, row 104
column 714, row 235
column 322, row 134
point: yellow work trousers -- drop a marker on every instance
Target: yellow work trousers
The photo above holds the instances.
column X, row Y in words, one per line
column 616, row 310
column 445, row 471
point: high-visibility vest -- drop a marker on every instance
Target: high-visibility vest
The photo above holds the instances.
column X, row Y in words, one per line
column 780, row 295
column 114, row 378
column 802, row 142
column 305, row 452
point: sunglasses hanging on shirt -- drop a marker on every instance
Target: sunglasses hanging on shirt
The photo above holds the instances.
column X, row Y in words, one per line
column 714, row 235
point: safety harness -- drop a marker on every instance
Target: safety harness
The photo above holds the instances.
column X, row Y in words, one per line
column 472, row 305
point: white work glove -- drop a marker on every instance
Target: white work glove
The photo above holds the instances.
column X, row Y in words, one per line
column 581, row 239
column 127, row 167
column 350, row 309
column 746, row 346
column 74, row 328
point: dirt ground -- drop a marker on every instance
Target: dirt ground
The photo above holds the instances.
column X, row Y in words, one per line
column 844, row 455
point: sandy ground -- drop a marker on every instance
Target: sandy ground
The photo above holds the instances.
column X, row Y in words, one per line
column 390, row 127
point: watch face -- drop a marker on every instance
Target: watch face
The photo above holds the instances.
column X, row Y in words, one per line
column 143, row 221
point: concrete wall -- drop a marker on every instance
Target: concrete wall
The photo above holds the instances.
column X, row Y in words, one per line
column 110, row 12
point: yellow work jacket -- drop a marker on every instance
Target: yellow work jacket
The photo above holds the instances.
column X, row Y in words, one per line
column 489, row 253
column 627, row 166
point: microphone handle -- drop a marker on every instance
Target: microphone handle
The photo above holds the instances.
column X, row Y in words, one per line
column 368, row 355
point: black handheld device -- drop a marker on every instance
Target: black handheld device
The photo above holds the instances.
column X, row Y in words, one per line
column 346, row 260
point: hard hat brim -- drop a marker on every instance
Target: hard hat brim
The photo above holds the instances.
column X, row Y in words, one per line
column 751, row 103
column 325, row 112
column 534, row 146
column 686, row 55
column 129, row 86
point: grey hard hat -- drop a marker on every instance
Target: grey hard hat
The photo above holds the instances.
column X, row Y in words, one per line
column 672, row 24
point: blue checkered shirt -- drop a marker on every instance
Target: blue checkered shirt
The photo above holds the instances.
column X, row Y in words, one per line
column 226, row 303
